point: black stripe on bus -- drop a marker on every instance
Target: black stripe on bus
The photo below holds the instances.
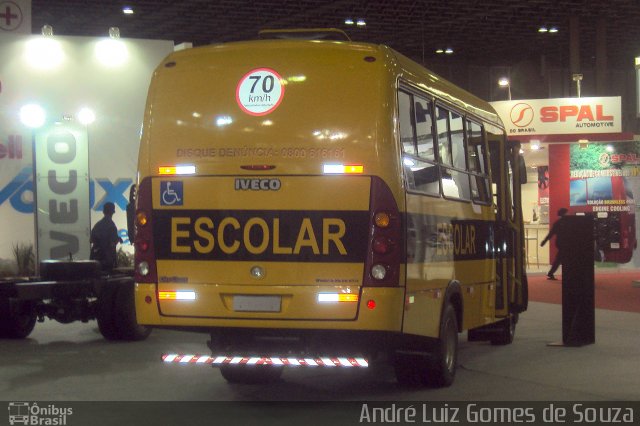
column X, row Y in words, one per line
column 433, row 238
column 265, row 235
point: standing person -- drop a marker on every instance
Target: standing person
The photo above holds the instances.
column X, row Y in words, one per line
column 104, row 239
column 557, row 230
column 131, row 214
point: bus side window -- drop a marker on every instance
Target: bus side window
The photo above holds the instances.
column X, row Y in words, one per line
column 443, row 135
column 455, row 183
column 424, row 129
column 421, row 172
column 406, row 123
column 476, row 154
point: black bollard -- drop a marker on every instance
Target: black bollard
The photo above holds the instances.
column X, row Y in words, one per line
column 575, row 241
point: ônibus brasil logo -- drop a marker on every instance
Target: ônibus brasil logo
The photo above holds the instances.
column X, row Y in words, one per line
column 26, row 413
column 521, row 114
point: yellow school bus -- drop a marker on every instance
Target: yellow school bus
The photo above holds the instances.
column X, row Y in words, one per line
column 312, row 201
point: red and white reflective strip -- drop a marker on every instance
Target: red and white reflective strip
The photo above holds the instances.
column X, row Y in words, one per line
column 239, row 360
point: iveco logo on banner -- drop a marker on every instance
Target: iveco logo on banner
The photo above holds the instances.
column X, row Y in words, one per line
column 62, row 192
column 561, row 116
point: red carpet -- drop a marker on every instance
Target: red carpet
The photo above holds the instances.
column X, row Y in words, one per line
column 613, row 291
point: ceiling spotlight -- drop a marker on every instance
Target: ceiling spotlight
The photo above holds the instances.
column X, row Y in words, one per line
column 127, row 10
column 543, row 30
column 553, row 30
column 348, row 21
column 112, row 52
column 448, row 51
column 440, row 51
column 33, row 116
column 47, row 30
column 86, row 116
column 361, row 23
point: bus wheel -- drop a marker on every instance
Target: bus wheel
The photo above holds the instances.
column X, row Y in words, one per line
column 250, row 374
column 443, row 363
column 411, row 370
column 507, row 331
column 125, row 315
column 19, row 324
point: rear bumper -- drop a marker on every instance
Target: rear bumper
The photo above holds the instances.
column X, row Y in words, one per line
column 385, row 316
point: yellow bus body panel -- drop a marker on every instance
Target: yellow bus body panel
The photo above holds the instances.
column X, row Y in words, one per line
column 338, row 106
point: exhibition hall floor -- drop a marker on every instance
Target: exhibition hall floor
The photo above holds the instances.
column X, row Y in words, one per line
column 614, row 291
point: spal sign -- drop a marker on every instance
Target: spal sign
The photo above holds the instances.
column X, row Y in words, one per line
column 62, row 192
column 561, row 116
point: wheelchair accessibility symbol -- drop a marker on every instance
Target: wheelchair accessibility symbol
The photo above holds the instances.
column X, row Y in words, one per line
column 171, row 193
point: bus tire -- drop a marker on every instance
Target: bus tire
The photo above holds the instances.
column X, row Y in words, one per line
column 411, row 370
column 19, row 324
column 443, row 362
column 507, row 331
column 106, row 314
column 250, row 374
column 125, row 315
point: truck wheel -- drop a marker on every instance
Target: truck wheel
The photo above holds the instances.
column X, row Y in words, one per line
column 507, row 331
column 250, row 374
column 106, row 314
column 68, row 270
column 442, row 366
column 19, row 324
column 125, row 315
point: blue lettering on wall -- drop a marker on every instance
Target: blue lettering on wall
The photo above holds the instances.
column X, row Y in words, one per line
column 14, row 191
column 114, row 192
column 117, row 192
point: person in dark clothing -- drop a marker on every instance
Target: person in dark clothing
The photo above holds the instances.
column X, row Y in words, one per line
column 561, row 239
column 131, row 214
column 104, row 239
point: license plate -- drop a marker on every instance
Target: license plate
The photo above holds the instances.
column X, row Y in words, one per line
column 257, row 303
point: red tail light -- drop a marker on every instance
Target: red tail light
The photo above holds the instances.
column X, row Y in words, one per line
column 145, row 260
column 385, row 249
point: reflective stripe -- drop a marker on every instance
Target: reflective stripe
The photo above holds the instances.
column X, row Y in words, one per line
column 291, row 361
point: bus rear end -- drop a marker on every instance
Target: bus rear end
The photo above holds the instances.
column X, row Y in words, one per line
column 264, row 215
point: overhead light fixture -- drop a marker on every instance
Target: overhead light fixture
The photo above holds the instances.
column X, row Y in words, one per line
column 114, row 33
column 349, row 21
column 112, row 52
column 361, row 23
column 223, row 120
column 448, row 51
column 127, row 10
column 86, row 116
column 47, row 30
column 504, row 82
column 44, row 52
column 553, row 30
column 439, row 50
column 543, row 30
column 33, row 116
